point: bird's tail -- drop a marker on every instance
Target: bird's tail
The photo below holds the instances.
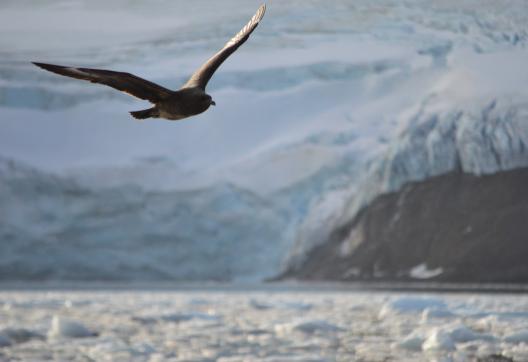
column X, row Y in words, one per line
column 146, row 113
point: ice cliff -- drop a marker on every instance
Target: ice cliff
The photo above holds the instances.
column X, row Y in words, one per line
column 52, row 228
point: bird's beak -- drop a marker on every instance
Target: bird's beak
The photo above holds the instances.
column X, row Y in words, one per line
column 213, row 103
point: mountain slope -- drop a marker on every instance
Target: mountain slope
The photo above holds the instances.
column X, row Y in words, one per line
column 456, row 227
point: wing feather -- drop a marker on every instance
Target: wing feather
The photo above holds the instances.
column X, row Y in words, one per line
column 125, row 82
column 202, row 76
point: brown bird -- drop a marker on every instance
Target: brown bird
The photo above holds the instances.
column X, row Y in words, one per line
column 191, row 99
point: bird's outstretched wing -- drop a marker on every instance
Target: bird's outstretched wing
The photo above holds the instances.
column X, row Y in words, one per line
column 125, row 82
column 206, row 71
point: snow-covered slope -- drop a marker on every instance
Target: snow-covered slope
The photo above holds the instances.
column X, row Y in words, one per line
column 321, row 111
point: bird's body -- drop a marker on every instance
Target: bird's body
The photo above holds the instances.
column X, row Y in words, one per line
column 188, row 101
column 180, row 104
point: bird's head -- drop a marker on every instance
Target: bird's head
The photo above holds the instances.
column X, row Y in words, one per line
column 207, row 101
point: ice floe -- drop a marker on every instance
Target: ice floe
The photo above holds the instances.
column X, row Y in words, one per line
column 517, row 337
column 410, row 305
column 4, row 340
column 252, row 325
column 439, row 340
column 435, row 313
column 62, row 327
column 308, row 327
column 19, row 335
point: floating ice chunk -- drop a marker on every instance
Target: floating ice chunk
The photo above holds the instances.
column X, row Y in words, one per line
column 143, row 349
column 495, row 358
column 199, row 301
column 176, row 318
column 516, row 352
column 512, row 315
column 410, row 305
column 66, row 328
column 488, row 322
column 257, row 304
column 460, row 333
column 517, row 337
column 184, row 317
column 297, row 305
column 261, row 305
column 430, row 314
column 421, row 272
column 144, row 320
column 413, row 342
column 485, row 350
column 19, row 335
column 308, row 327
column 280, row 358
column 317, row 326
column 301, row 358
column 4, row 341
column 439, row 340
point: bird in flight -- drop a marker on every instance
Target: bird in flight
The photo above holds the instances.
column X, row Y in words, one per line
column 191, row 99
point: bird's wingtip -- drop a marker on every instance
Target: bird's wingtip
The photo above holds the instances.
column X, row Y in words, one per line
column 260, row 12
column 49, row 67
column 40, row 65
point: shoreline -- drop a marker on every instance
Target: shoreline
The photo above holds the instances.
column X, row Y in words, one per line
column 273, row 287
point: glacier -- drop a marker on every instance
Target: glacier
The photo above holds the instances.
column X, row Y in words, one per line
column 325, row 109
column 53, row 228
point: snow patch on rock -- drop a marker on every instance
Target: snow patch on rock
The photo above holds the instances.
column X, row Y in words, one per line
column 422, row 272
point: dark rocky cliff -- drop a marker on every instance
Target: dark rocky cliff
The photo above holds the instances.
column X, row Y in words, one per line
column 463, row 228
